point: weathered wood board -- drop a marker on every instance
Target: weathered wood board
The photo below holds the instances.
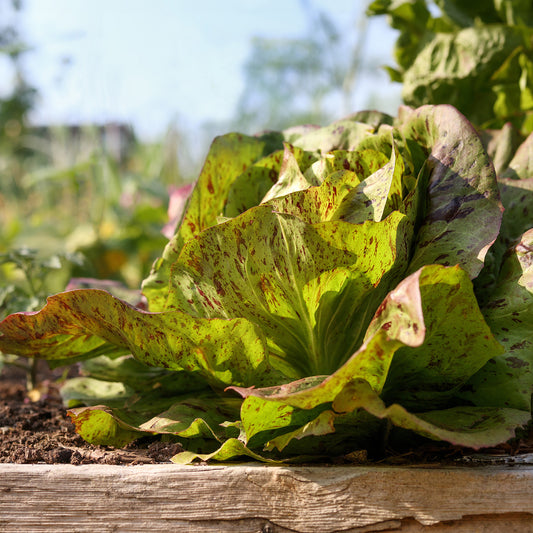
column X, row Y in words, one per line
column 264, row 499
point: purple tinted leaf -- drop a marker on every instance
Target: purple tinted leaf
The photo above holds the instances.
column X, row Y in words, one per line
column 464, row 211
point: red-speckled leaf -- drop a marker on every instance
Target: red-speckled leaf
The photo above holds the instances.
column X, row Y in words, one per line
column 427, row 337
column 344, row 134
column 475, row 427
column 223, row 351
column 362, row 163
column 508, row 379
column 458, row 342
column 311, row 288
column 251, row 186
column 464, row 212
column 378, row 195
column 291, row 175
column 228, row 157
column 324, row 202
column 200, row 417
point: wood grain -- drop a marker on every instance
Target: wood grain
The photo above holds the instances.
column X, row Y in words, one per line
column 264, row 499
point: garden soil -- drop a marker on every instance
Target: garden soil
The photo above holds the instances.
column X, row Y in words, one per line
column 40, row 431
column 35, row 428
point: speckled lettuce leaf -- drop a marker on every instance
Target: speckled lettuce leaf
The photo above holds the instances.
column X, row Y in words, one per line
column 124, row 400
column 310, row 288
column 251, row 186
column 223, row 351
column 461, row 68
column 508, row 379
column 368, row 187
column 362, row 163
column 427, row 338
column 200, row 419
column 476, row 56
column 231, row 449
column 464, row 211
column 114, row 381
column 228, row 157
column 291, row 175
column 378, row 195
column 457, row 343
column 516, row 192
column 521, row 164
column 100, row 425
column 344, row 134
column 474, row 427
column 338, row 173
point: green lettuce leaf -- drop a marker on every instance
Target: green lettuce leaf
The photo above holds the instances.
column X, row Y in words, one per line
column 292, row 280
column 427, row 338
column 229, row 155
column 323, row 284
column 464, row 211
column 222, row 351
column 507, row 380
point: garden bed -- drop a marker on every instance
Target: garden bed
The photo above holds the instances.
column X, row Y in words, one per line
column 432, row 489
column 264, row 499
column 41, row 432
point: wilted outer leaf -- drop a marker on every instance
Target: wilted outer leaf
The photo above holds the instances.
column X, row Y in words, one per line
column 311, row 288
column 230, row 449
column 228, row 157
column 464, row 212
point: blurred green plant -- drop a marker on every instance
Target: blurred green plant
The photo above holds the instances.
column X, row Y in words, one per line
column 74, row 194
column 26, row 280
column 476, row 55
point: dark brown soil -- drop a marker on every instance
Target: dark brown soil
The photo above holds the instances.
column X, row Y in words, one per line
column 41, row 432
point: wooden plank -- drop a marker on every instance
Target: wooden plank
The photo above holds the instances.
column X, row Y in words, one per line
column 264, row 499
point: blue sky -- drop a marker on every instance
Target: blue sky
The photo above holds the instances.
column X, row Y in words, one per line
column 155, row 63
